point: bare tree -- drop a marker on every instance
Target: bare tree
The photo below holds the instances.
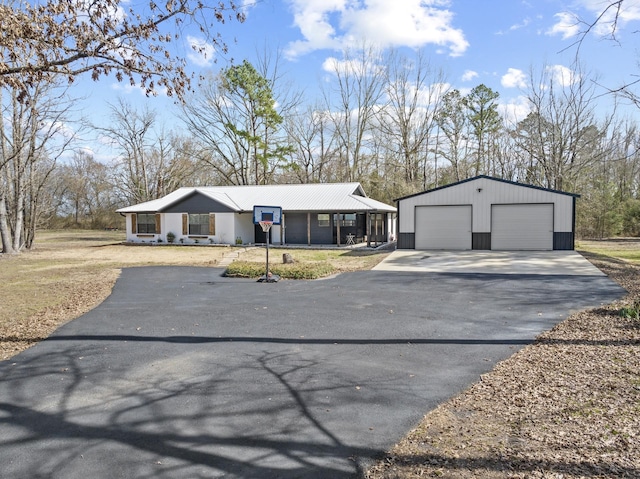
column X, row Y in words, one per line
column 66, row 38
column 359, row 89
column 606, row 25
column 131, row 132
column 453, row 123
column 414, row 92
column 83, row 193
column 151, row 162
column 311, row 135
column 33, row 136
column 561, row 136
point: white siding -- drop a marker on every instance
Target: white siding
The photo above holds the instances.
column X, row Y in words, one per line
column 225, row 228
column 243, row 228
column 172, row 223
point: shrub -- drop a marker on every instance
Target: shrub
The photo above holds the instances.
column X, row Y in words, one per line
column 171, row 237
column 631, row 312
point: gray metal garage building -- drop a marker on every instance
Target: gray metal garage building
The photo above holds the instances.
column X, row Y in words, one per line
column 487, row 213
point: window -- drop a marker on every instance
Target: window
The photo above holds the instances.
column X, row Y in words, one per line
column 146, row 223
column 323, row 220
column 346, row 219
column 199, row 224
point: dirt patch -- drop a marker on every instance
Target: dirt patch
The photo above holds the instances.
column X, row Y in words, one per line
column 567, row 406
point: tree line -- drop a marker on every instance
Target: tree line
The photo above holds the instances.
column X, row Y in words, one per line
column 390, row 122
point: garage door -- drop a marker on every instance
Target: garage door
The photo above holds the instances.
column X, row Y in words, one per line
column 522, row 227
column 443, row 227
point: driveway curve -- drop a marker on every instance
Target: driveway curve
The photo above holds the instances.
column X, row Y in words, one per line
column 183, row 373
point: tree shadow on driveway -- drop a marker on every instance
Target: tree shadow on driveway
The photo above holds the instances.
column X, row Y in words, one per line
column 181, row 373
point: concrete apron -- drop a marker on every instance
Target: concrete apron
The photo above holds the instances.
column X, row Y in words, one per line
column 490, row 262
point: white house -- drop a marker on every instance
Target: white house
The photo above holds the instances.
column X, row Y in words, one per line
column 330, row 213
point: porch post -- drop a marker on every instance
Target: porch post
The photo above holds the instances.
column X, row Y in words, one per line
column 282, row 226
column 368, row 229
column 308, row 228
column 338, row 230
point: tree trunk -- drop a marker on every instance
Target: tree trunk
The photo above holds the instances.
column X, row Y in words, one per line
column 5, row 234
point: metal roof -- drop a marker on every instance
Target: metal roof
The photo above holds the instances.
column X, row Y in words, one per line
column 488, row 178
column 330, row 197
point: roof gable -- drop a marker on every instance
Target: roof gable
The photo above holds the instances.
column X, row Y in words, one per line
column 198, row 202
column 468, row 180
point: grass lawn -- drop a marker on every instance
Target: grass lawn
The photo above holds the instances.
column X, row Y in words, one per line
column 627, row 249
column 308, row 263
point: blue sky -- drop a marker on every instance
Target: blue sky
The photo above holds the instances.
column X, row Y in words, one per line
column 495, row 42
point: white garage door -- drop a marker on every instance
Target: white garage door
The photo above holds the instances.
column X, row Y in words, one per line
column 443, row 227
column 522, row 227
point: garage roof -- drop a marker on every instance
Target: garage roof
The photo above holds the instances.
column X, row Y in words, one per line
column 321, row 197
column 489, row 178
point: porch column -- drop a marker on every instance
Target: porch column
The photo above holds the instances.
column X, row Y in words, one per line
column 309, row 229
column 282, row 226
column 338, row 230
column 368, row 229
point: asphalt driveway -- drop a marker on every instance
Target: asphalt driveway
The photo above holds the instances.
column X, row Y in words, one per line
column 183, row 374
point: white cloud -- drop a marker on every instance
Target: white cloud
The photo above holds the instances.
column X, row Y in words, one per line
column 629, row 12
column 562, row 76
column 349, row 67
column 568, row 25
column 201, row 52
column 469, row 75
column 514, row 78
column 339, row 24
column 516, row 26
column 514, row 110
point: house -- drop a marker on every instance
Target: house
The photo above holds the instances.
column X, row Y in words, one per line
column 312, row 214
column 485, row 213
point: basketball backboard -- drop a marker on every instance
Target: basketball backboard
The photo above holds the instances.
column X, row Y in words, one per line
column 267, row 213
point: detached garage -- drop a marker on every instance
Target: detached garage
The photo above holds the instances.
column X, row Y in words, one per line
column 487, row 213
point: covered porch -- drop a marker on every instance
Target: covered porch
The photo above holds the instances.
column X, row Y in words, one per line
column 332, row 228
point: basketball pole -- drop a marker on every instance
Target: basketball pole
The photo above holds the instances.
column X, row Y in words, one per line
column 266, row 274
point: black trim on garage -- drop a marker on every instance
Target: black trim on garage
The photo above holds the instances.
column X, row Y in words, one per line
column 481, row 241
column 563, row 240
column 406, row 241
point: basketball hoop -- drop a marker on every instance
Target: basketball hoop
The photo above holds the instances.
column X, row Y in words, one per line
column 266, row 225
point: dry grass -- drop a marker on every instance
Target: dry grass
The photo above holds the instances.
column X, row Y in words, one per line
column 627, row 249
